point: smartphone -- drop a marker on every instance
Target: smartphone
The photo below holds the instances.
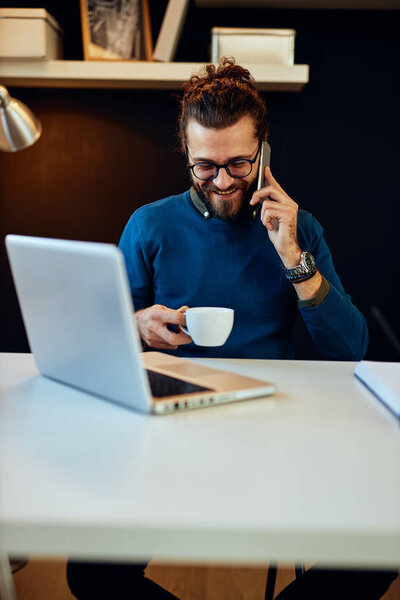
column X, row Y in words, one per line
column 265, row 159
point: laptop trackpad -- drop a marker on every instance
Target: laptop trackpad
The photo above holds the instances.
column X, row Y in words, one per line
column 187, row 369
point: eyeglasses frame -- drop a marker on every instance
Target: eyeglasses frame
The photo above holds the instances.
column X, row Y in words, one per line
column 201, row 162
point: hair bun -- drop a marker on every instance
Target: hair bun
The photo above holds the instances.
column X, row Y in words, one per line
column 227, row 68
column 226, row 71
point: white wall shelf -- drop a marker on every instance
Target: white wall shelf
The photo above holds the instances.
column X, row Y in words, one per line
column 134, row 75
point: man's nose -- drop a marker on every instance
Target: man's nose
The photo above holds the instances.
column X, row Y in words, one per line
column 223, row 181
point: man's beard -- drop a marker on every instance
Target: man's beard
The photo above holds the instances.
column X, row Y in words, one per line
column 223, row 210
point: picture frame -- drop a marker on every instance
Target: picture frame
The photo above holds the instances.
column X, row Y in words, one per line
column 116, row 30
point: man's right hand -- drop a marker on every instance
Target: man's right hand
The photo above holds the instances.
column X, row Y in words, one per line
column 153, row 327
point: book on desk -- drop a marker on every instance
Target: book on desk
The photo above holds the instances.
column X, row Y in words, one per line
column 383, row 380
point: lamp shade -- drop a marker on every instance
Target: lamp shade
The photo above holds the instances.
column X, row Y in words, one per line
column 19, row 128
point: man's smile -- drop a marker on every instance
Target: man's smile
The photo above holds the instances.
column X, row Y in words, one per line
column 225, row 192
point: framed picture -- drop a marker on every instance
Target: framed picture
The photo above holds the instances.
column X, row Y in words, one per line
column 116, row 30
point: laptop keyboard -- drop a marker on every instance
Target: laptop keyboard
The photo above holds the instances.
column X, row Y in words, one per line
column 164, row 385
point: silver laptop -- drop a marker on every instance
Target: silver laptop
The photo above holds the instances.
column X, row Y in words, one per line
column 78, row 314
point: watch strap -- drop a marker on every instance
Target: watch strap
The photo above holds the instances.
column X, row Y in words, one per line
column 301, row 277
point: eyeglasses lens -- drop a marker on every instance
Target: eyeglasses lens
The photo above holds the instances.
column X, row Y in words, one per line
column 236, row 168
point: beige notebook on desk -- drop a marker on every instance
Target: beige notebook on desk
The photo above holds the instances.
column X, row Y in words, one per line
column 383, row 379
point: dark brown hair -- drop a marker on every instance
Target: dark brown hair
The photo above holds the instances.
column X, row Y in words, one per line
column 218, row 97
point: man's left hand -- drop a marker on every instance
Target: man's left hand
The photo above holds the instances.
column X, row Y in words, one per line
column 279, row 216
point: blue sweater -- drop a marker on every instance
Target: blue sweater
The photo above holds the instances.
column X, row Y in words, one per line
column 175, row 257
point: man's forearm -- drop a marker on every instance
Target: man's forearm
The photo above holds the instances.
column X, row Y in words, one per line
column 306, row 290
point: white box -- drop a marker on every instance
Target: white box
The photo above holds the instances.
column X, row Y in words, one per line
column 253, row 46
column 29, row 33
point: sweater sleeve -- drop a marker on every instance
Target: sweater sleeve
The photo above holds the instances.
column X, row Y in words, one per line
column 337, row 328
column 138, row 266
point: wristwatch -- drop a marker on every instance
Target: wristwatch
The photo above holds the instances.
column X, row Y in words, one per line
column 303, row 271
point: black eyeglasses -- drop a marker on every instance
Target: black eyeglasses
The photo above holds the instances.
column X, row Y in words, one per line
column 238, row 168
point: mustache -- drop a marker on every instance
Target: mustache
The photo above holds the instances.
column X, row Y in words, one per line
column 210, row 187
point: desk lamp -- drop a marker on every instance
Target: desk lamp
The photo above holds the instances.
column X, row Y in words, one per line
column 19, row 128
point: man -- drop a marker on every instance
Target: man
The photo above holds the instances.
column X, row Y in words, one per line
column 225, row 243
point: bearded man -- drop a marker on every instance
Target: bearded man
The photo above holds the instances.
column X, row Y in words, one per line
column 225, row 243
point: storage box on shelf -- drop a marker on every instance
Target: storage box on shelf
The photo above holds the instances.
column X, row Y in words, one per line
column 29, row 33
column 253, row 46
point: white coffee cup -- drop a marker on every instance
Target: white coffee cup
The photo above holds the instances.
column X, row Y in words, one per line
column 208, row 325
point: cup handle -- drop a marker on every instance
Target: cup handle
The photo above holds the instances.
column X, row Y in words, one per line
column 184, row 329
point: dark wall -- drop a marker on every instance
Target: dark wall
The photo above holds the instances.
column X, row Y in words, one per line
column 103, row 153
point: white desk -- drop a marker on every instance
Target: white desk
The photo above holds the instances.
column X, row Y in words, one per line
column 311, row 474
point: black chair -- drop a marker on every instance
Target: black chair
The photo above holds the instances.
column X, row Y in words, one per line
column 271, row 579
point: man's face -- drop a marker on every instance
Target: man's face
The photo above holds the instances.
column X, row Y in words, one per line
column 225, row 197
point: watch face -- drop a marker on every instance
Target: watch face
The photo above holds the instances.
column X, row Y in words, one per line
column 309, row 260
